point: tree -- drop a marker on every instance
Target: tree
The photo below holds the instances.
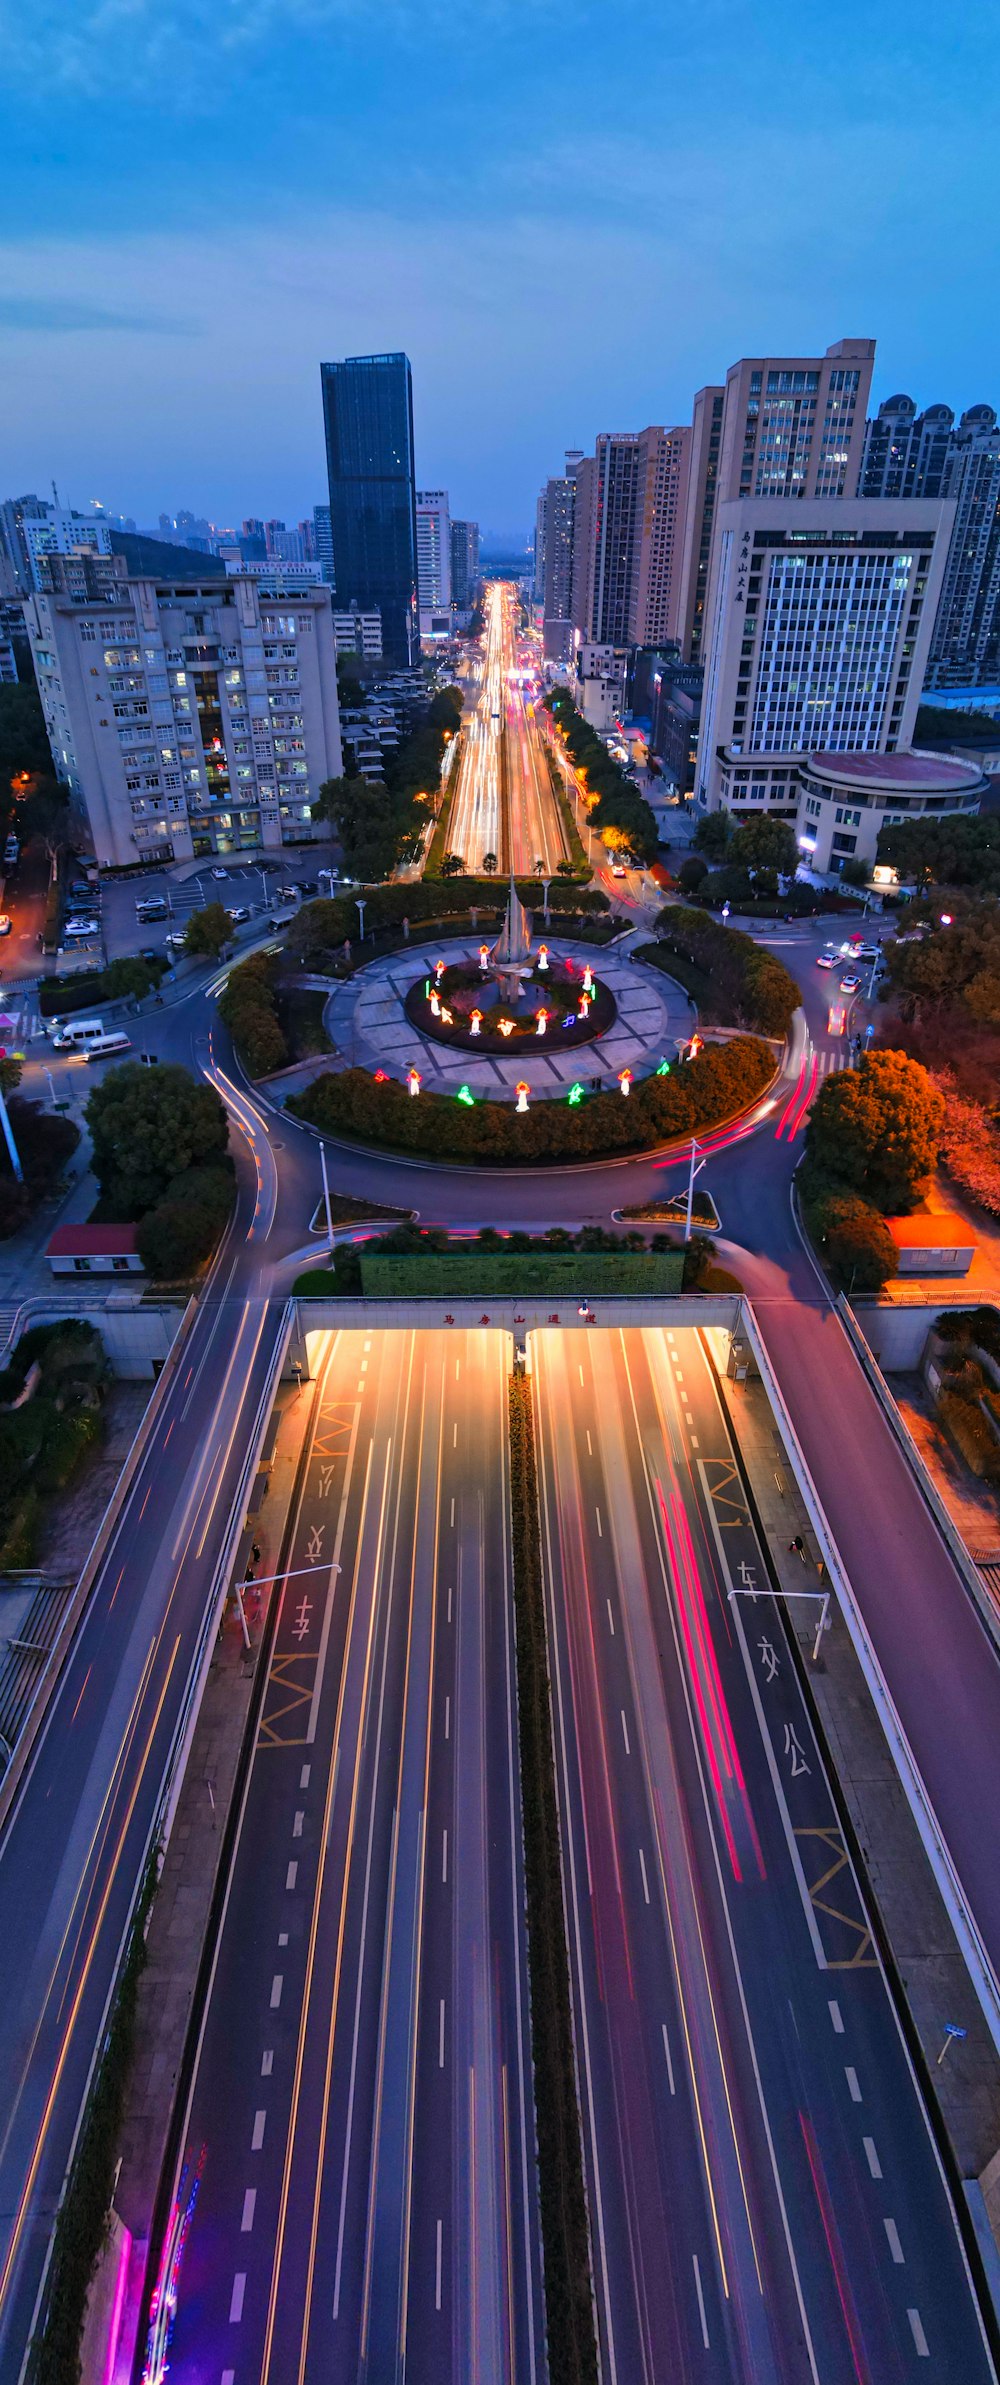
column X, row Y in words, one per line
column 855, row 872
column 445, row 710
column 146, row 1124
column 763, row 844
column 692, row 870
column 712, row 835
column 564, row 869
column 207, row 931
column 24, row 744
column 857, row 1243
column 452, row 866
column 489, row 864
column 876, row 1129
column 183, row 1229
column 947, row 852
column 43, row 811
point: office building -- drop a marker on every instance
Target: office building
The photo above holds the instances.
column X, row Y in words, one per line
column 906, row 453
column 323, row 542
column 664, row 463
column 433, row 555
column 842, row 801
column 538, row 563
column 821, row 617
column 187, row 717
column 464, row 566
column 62, row 533
column 368, row 420
column 597, row 683
column 781, row 427
column 358, row 633
column 557, row 509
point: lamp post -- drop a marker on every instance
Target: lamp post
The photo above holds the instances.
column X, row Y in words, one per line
column 360, row 903
column 693, row 1172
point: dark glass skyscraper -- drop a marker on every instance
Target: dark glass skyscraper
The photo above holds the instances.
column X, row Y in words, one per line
column 368, row 417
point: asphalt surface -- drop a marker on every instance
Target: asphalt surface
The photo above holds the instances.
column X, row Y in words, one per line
column 361, row 2110
column 766, row 2198
column 529, row 829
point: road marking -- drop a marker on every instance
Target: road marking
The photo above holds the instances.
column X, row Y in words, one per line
column 444, row 1857
column 688, row 1418
column 239, row 2289
column 645, row 1882
column 441, row 2035
column 249, row 2207
column 447, row 1718
column 701, row 2301
column 853, row 2088
column 871, row 2156
column 454, row 1442
column 297, row 1825
column 282, row 1937
column 304, row 1776
column 836, row 2016
column 580, row 1373
column 666, row 2049
column 449, row 1602
column 695, row 1443
column 628, row 1750
column 291, row 1875
column 267, row 2062
column 919, row 2337
column 259, row 2123
column 895, row 2246
column 453, row 1511
column 611, row 1619
column 437, row 2270
column 600, row 1527
column 229, row 2376
column 276, row 1987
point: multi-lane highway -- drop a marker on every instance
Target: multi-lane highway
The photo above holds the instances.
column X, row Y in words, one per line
column 361, row 2106
column 766, row 2199
column 503, row 803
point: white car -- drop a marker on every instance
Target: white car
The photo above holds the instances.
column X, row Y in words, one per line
column 4, row 924
column 218, row 873
column 82, row 927
column 240, row 917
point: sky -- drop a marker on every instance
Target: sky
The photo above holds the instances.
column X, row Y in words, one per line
column 570, row 217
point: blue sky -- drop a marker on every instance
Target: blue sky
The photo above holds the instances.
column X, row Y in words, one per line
column 569, row 216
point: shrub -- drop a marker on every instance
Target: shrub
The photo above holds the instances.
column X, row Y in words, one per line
column 696, row 1094
column 974, row 1436
column 121, row 981
column 857, row 1242
column 145, row 1123
column 248, row 1005
column 875, row 1129
column 751, row 987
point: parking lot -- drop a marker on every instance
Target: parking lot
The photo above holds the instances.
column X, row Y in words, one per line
column 259, row 889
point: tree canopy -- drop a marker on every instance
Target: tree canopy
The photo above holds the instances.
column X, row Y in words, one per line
column 955, row 851
column 957, row 963
column 876, row 1129
column 208, row 930
column 620, row 815
column 764, row 843
column 147, row 1125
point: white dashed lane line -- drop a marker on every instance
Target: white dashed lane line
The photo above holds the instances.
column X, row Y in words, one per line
column 871, row 2157
column 895, row 2246
column 267, row 2063
column 291, row 1875
column 259, row 2125
column 853, row 2088
column 836, row 2017
column 276, row 1986
column 919, row 2337
column 236, row 2298
column 249, row 2207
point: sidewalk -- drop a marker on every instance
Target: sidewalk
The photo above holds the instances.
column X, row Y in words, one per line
column 898, row 1875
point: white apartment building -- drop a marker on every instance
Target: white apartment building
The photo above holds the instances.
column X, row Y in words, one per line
column 355, row 632
column 820, row 618
column 433, row 554
column 188, row 718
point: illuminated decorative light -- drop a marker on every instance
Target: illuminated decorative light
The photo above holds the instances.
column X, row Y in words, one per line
column 663, row 1069
column 464, row 1094
column 447, row 1017
column 413, row 1079
column 506, row 1026
column 541, row 1021
column 543, row 956
column 574, row 1096
column 381, row 1077
column 625, row 1079
column 475, row 1021
column 438, row 971
column 484, row 956
column 588, row 979
column 435, row 1004
column 522, row 1097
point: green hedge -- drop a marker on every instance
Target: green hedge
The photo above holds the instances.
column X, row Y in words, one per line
column 751, row 987
column 322, row 926
column 569, row 2308
column 123, row 980
column 496, row 1275
column 248, row 1006
column 697, row 1094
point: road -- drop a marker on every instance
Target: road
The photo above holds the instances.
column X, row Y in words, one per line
column 525, row 828
column 362, row 2100
column 766, row 2200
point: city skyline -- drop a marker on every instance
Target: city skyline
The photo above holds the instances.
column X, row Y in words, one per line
column 159, row 287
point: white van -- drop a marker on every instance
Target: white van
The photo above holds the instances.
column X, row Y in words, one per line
column 70, row 1035
column 105, row 1046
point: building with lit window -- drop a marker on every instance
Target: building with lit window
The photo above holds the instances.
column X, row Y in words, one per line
column 464, row 566
column 368, row 418
column 433, row 556
column 821, row 616
column 188, row 717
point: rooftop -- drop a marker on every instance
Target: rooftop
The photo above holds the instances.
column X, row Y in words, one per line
column 912, row 773
column 91, row 1242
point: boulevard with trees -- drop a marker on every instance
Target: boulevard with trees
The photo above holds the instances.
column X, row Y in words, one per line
column 379, row 822
column 618, row 813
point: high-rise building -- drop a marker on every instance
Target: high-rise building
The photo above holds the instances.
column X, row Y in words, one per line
column 558, row 503
column 906, row 453
column 323, row 542
column 622, row 513
column 433, row 551
column 929, row 455
column 368, row 418
column 187, row 717
column 783, row 426
column 821, row 616
column 538, row 566
column 464, row 565
column 665, row 456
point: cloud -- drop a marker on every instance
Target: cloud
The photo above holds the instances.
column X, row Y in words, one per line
column 26, row 313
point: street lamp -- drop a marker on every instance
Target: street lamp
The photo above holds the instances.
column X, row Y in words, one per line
column 360, row 905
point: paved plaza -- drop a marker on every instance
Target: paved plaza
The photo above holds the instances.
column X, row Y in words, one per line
column 367, row 1023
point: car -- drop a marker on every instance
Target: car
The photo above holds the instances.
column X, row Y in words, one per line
column 80, row 888
column 218, row 873
column 826, row 960
column 869, row 953
column 836, row 1017
column 240, row 917
column 82, row 927
column 177, row 943
column 310, row 885
column 4, row 924
column 150, row 906
column 293, row 888
column 850, row 982
column 618, row 869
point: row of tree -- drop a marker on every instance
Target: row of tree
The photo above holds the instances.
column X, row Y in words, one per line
column 871, row 1146
column 753, row 988
column 954, row 851
column 620, row 815
column 379, row 822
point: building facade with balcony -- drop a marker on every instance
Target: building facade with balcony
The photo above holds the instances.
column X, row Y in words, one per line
column 187, row 718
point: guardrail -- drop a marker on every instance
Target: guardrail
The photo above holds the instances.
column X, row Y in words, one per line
column 963, row 1922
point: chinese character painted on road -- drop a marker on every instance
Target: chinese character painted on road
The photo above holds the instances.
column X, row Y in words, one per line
column 314, row 1544
column 303, row 1611
column 327, row 1471
column 769, row 1658
column 748, row 1577
column 797, row 1753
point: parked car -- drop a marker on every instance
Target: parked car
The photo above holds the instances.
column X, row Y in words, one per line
column 239, row 917
column 219, row 873
column 82, row 927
